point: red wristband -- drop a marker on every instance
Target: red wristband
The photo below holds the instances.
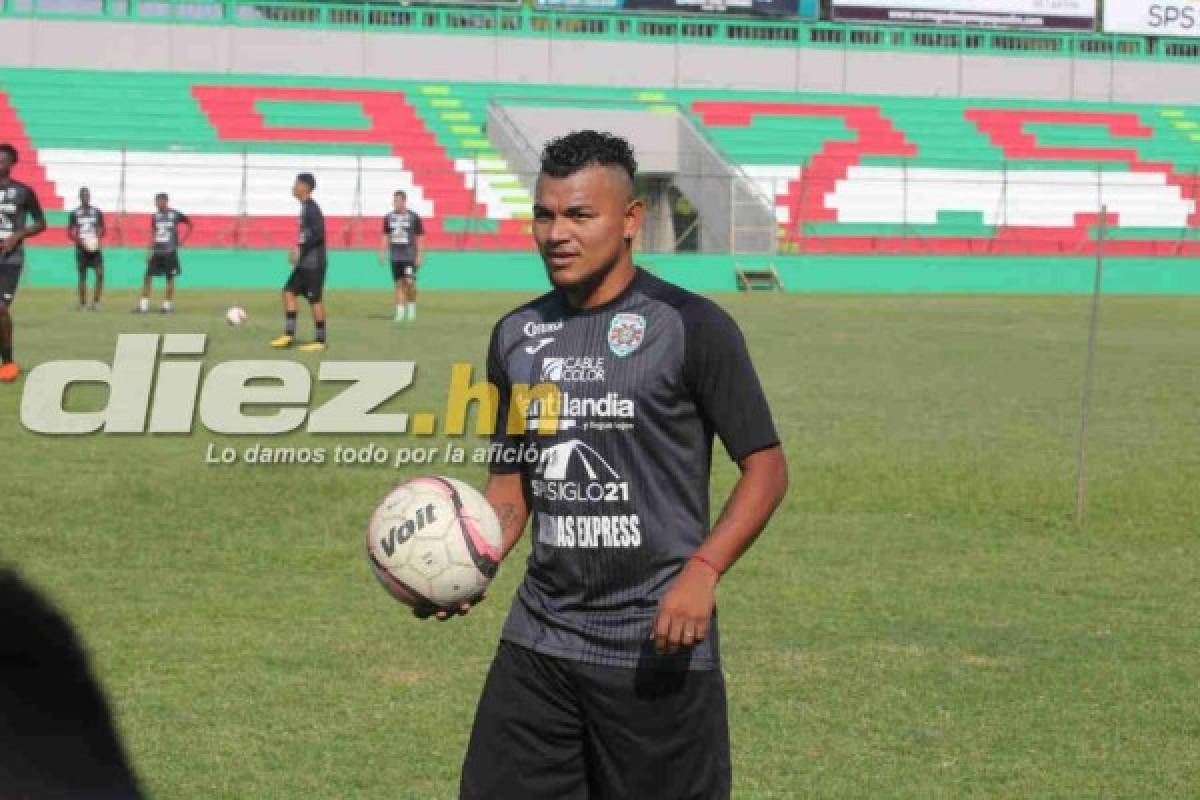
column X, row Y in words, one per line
column 707, row 563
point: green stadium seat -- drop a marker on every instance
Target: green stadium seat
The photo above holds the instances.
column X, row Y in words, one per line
column 847, row 174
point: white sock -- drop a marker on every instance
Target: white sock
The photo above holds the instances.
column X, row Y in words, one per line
column 166, row 305
column 412, row 310
column 399, row 312
column 144, row 304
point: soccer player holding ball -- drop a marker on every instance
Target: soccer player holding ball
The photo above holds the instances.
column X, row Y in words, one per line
column 308, row 260
column 401, row 246
column 17, row 201
column 607, row 679
column 163, row 258
column 85, row 227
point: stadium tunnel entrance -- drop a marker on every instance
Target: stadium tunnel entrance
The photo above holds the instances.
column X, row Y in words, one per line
column 696, row 199
column 672, row 224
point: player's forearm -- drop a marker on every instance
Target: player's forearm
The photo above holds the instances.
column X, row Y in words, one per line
column 311, row 244
column 754, row 498
column 32, row 230
column 507, row 498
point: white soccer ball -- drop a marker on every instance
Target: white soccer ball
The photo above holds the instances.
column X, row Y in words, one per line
column 235, row 315
column 90, row 243
column 434, row 543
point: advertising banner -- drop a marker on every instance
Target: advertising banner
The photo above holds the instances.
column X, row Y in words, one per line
column 1028, row 14
column 1153, row 18
column 804, row 9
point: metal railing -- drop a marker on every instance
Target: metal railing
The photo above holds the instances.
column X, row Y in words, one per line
column 513, row 20
column 1002, row 207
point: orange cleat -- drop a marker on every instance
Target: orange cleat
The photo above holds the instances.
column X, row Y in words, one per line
column 9, row 372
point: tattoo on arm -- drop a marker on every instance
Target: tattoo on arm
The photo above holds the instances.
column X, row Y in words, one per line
column 508, row 515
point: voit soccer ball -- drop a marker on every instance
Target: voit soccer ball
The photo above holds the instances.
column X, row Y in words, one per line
column 235, row 315
column 90, row 243
column 434, row 543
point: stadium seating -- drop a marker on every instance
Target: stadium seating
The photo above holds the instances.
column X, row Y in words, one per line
column 847, row 174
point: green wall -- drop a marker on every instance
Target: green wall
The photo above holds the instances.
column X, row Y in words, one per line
column 53, row 266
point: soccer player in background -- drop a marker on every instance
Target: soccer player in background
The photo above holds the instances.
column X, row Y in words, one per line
column 163, row 257
column 607, row 679
column 308, row 260
column 401, row 245
column 17, row 201
column 85, row 227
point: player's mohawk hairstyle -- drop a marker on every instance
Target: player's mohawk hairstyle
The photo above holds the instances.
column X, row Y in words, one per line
column 568, row 154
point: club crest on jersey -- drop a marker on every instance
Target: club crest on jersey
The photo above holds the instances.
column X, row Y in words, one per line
column 625, row 333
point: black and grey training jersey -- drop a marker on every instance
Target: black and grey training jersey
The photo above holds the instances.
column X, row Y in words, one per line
column 164, row 226
column 17, row 201
column 311, row 236
column 86, row 222
column 402, row 229
column 619, row 493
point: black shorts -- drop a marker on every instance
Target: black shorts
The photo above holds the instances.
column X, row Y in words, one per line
column 553, row 729
column 403, row 269
column 10, row 276
column 164, row 264
column 85, row 260
column 307, row 282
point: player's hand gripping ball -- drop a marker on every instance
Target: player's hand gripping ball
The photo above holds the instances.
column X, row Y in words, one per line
column 434, row 543
column 90, row 243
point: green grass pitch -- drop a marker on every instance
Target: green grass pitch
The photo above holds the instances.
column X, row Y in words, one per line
column 920, row 620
